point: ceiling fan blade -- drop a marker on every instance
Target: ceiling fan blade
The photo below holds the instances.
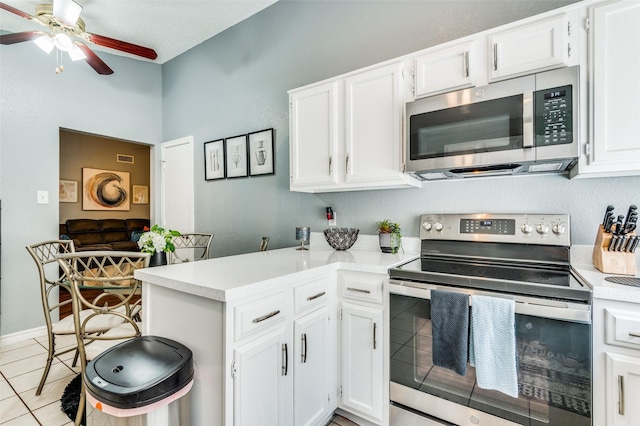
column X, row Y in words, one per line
column 16, row 11
column 94, row 61
column 67, row 11
column 20, row 37
column 123, row 46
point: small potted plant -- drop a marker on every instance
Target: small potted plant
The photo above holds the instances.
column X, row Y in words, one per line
column 157, row 241
column 389, row 236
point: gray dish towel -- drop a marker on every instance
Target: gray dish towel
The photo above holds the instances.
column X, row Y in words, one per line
column 450, row 330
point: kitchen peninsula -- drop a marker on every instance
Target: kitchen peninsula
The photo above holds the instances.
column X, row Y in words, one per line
column 264, row 324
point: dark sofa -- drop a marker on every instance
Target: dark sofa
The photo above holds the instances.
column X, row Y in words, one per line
column 103, row 234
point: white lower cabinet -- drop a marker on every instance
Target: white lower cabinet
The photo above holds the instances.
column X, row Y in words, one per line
column 313, row 366
column 362, row 381
column 622, row 390
column 263, row 380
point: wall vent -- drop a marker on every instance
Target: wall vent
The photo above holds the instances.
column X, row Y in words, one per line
column 123, row 158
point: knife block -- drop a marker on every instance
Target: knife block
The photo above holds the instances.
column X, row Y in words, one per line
column 612, row 262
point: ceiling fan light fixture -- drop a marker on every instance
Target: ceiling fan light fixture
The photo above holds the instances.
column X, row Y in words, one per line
column 76, row 54
column 63, row 42
column 45, row 43
column 67, row 11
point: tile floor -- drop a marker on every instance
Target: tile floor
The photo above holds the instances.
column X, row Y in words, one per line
column 21, row 366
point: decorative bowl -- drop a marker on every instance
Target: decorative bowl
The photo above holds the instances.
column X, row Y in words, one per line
column 341, row 238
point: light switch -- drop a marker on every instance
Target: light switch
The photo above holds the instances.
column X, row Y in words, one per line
column 43, row 197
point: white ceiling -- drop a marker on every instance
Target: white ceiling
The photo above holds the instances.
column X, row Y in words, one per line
column 170, row 27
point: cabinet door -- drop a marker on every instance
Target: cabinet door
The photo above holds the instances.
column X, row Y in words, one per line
column 614, row 89
column 362, row 361
column 263, row 385
column 622, row 390
column 373, row 125
column 539, row 46
column 311, row 361
column 445, row 70
column 313, row 136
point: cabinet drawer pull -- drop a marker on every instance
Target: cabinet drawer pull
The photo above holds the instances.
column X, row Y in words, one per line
column 346, row 167
column 358, row 290
column 310, row 298
column 266, row 317
column 634, row 334
column 330, row 165
column 466, row 63
column 495, row 56
column 621, row 395
column 375, row 344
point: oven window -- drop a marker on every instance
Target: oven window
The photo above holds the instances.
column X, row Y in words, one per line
column 487, row 126
column 554, row 368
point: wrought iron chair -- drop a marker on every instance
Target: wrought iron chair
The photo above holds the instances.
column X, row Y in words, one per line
column 106, row 270
column 188, row 246
column 44, row 254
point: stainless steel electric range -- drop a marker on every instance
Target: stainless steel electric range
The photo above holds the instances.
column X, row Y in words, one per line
column 516, row 256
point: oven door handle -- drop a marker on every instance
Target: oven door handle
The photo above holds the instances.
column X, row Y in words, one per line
column 533, row 306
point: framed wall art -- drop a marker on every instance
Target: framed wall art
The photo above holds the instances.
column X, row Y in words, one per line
column 214, row 160
column 261, row 153
column 140, row 194
column 68, row 191
column 105, row 190
column 236, row 156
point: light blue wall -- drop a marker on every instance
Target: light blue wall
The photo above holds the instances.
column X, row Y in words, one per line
column 237, row 82
column 34, row 104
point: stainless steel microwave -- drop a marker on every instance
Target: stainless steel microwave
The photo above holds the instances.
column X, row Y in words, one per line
column 523, row 125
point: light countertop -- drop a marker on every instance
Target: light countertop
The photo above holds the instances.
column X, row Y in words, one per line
column 230, row 278
column 602, row 289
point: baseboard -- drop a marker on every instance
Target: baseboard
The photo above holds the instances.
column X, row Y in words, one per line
column 19, row 336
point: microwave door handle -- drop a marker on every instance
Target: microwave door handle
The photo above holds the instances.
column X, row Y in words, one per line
column 527, row 120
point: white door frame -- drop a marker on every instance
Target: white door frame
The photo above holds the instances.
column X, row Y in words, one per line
column 189, row 170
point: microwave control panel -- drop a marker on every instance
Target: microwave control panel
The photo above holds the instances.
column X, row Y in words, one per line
column 554, row 116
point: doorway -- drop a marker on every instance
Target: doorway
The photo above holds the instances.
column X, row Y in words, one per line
column 176, row 185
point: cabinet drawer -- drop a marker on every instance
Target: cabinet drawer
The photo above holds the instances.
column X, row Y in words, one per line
column 363, row 287
column 259, row 314
column 310, row 295
column 622, row 328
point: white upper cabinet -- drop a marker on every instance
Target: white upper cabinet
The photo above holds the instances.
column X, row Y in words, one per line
column 444, row 70
column 613, row 148
column 347, row 134
column 314, row 136
column 530, row 48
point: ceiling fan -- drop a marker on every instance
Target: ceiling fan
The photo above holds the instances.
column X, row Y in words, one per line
column 64, row 23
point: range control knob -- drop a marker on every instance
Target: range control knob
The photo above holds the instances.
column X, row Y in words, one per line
column 542, row 229
column 426, row 226
column 437, row 226
column 526, row 228
column 558, row 229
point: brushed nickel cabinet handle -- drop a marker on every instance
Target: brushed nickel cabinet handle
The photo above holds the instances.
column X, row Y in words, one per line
column 495, row 56
column 310, row 298
column 266, row 317
column 304, row 348
column 621, row 395
column 285, row 361
column 375, row 343
column 466, row 63
column 330, row 165
column 358, row 290
column 347, row 164
column 634, row 334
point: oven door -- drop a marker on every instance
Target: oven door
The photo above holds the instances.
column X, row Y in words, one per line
column 553, row 341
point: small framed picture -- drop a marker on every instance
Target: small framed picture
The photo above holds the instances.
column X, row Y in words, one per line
column 214, row 160
column 261, row 153
column 236, row 156
column 68, row 191
column 140, row 194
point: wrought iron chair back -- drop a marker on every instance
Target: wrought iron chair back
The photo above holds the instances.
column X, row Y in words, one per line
column 189, row 246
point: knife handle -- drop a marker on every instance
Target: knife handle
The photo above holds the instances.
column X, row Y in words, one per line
column 607, row 214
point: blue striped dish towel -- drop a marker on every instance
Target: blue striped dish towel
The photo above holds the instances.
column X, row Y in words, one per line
column 492, row 346
column 450, row 330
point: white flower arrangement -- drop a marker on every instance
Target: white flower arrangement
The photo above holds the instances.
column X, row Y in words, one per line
column 157, row 240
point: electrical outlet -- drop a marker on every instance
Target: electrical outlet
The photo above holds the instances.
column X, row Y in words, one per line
column 43, row 197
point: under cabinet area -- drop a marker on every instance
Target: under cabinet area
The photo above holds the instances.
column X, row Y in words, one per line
column 616, row 363
column 347, row 133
